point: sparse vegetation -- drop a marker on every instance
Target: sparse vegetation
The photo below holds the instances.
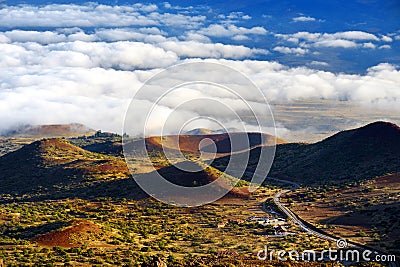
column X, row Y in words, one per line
column 62, row 205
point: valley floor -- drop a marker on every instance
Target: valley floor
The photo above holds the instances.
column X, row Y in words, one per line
column 105, row 232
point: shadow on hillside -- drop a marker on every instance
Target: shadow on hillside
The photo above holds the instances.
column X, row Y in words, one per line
column 180, row 174
column 31, row 232
column 115, row 189
column 381, row 219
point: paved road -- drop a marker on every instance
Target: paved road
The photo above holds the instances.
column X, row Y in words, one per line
column 303, row 226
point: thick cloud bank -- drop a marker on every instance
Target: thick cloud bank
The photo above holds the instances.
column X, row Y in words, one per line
column 85, row 64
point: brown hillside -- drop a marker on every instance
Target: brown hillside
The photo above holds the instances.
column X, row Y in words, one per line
column 78, row 233
column 363, row 153
column 189, row 144
column 204, row 175
column 50, row 162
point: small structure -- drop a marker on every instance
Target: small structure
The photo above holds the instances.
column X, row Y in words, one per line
column 221, row 225
column 238, row 221
column 280, row 230
column 227, row 253
column 268, row 221
column 271, row 211
column 258, row 218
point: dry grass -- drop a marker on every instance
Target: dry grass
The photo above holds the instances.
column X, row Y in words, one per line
column 80, row 232
column 365, row 213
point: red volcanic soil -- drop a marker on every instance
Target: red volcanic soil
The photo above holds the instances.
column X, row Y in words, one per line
column 49, row 162
column 392, row 180
column 239, row 192
column 191, row 143
column 72, row 236
column 184, row 143
column 116, row 168
column 58, row 151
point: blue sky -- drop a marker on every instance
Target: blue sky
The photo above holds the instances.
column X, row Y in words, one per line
column 280, row 19
column 74, row 61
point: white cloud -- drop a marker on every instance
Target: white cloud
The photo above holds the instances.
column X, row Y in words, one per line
column 82, row 36
column 303, row 19
column 386, row 39
column 296, row 37
column 193, row 36
column 120, row 34
column 289, row 50
column 216, row 30
column 319, row 63
column 351, row 35
column 120, row 48
column 123, row 55
column 384, row 47
column 120, row 55
column 4, row 39
column 146, row 7
column 369, row 45
column 234, row 17
column 240, row 37
column 152, row 31
column 177, row 20
column 336, row 43
column 95, row 97
column 99, row 97
column 207, row 50
column 348, row 39
column 45, row 37
column 92, row 15
column 70, row 73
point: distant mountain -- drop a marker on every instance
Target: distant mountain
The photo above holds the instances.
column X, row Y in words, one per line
column 204, row 131
column 49, row 164
column 188, row 143
column 239, row 142
column 193, row 144
column 366, row 152
column 199, row 131
column 55, row 130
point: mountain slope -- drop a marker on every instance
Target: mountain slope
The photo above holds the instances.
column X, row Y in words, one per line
column 52, row 162
column 54, row 168
column 201, row 174
column 192, row 144
column 366, row 152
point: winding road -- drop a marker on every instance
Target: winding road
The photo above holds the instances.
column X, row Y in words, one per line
column 308, row 227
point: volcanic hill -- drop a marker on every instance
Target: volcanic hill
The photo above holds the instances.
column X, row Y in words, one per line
column 362, row 153
column 50, row 162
